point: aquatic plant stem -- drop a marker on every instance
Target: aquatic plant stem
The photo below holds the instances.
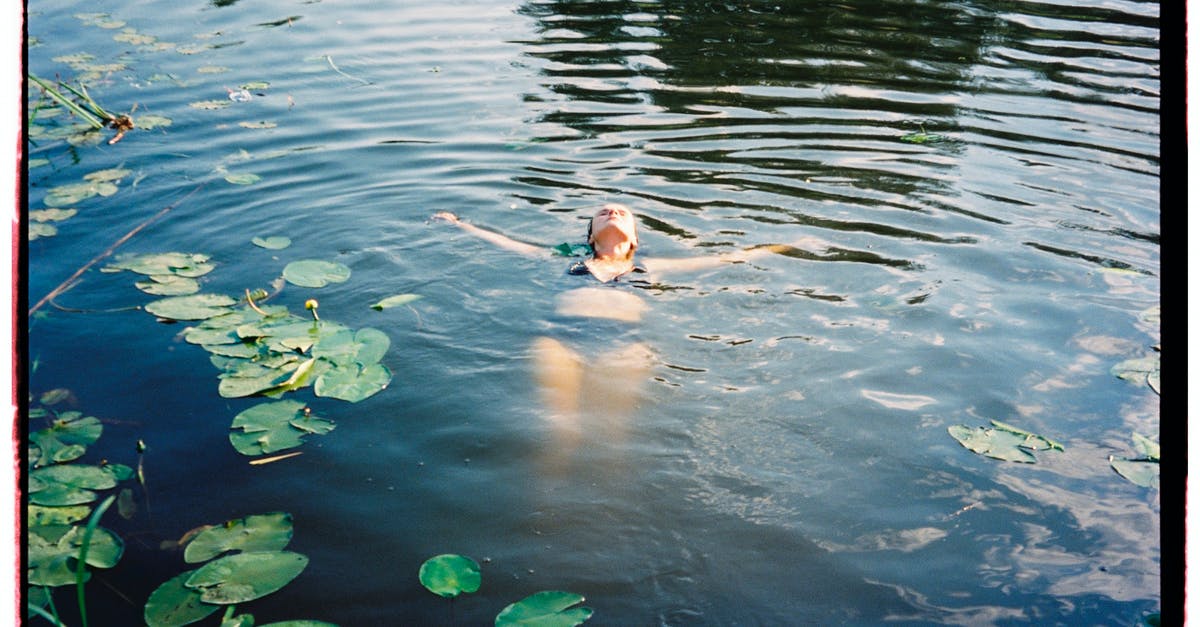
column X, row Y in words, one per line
column 69, row 283
column 81, row 565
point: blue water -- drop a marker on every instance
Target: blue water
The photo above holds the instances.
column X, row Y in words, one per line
column 786, row 458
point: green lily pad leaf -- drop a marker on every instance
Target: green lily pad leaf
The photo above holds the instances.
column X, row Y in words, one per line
column 274, row 242
column 271, row 427
column 38, row 230
column 52, row 215
column 449, row 575
column 1143, row 472
column 65, row 440
column 194, row 307
column 38, row 515
column 173, row 604
column 549, row 608
column 68, row 484
column 252, row 378
column 70, row 194
column 922, row 138
column 1148, row 448
column 259, row 532
column 169, row 285
column 243, row 178
column 315, row 273
column 345, row 347
column 111, row 174
column 1137, row 370
column 246, row 576
column 395, row 301
column 353, row 382
column 54, row 397
column 300, row 623
column 1033, row 441
column 994, row 443
column 209, row 105
column 148, row 122
column 189, row 265
column 255, row 85
column 241, row 620
column 53, row 550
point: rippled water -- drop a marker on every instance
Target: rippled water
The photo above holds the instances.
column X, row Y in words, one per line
column 785, row 458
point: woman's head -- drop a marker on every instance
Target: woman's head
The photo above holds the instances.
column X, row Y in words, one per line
column 613, row 230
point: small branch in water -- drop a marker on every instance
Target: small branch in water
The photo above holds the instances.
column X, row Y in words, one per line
column 336, row 69
column 250, row 301
column 70, row 282
column 268, row 460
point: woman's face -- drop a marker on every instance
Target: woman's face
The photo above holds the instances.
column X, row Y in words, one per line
column 616, row 217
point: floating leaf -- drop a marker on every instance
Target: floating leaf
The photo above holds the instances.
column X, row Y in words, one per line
column 259, row 532
column 39, row 515
column 1143, row 472
column 255, row 85
column 246, row 576
column 258, row 125
column 345, row 347
column 549, row 608
column 994, row 443
column 315, row 273
column 39, row 230
column 209, row 105
column 169, row 285
column 69, row 484
column 148, row 122
column 65, row 440
column 449, row 575
column 52, row 551
column 1148, row 448
column 353, row 382
column 52, row 215
column 274, row 242
column 189, row 265
column 272, row 427
column 243, row 178
column 71, row 194
column 173, row 604
column 395, row 301
column 194, row 307
column 111, row 174
column 1032, row 441
column 1138, row 370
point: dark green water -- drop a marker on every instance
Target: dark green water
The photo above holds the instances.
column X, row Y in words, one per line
column 785, row 459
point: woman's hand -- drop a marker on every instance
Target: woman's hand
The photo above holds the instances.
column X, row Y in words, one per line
column 445, row 216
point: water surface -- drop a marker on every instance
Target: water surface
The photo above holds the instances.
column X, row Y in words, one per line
column 785, row 458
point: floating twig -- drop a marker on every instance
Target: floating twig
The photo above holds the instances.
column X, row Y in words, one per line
column 70, row 282
column 339, row 71
column 268, row 460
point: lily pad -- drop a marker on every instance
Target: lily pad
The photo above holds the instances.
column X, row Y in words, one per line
column 173, row 604
column 169, row 285
column 39, row 515
column 549, row 608
column 189, row 265
column 67, row 439
column 72, row 484
column 315, row 273
column 243, row 178
column 395, row 301
column 353, row 382
column 194, row 307
column 1143, row 472
column 449, row 575
column 276, row 426
column 148, row 122
column 1003, row 442
column 39, row 230
column 52, row 551
column 274, row 242
column 111, row 174
column 52, row 215
column 365, row 346
column 1139, row 370
column 259, row 532
column 246, row 576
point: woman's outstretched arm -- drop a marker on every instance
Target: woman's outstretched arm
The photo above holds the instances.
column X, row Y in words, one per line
column 687, row 264
column 498, row 239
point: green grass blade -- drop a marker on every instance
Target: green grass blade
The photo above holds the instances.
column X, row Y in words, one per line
column 81, row 566
column 58, row 97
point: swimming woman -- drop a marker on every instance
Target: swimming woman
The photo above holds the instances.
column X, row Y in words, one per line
column 602, row 400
